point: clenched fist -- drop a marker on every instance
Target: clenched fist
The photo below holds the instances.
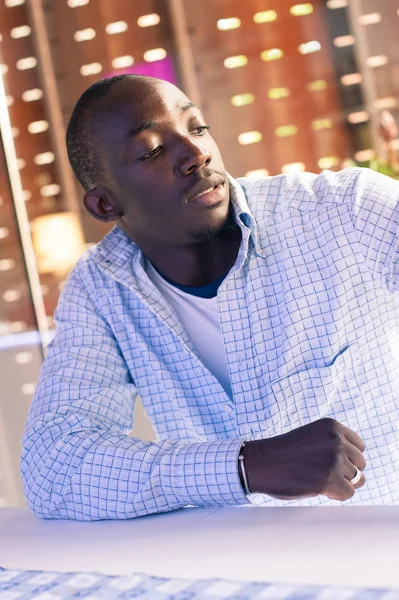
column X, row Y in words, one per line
column 317, row 459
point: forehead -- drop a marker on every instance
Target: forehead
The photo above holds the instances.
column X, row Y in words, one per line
column 138, row 101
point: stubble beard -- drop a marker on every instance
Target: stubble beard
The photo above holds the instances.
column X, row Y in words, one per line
column 213, row 235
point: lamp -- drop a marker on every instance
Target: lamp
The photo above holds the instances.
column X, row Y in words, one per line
column 58, row 242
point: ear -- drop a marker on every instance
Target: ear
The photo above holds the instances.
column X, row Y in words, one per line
column 100, row 203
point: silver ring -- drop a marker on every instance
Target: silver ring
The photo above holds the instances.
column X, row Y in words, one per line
column 357, row 477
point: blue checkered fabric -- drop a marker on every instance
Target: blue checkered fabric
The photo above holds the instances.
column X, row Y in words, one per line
column 49, row 585
column 309, row 316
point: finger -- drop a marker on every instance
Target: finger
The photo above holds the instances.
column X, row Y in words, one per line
column 350, row 473
column 342, row 490
column 353, row 438
column 356, row 457
column 360, row 483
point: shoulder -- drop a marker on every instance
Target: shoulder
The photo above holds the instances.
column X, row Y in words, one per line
column 87, row 276
column 301, row 191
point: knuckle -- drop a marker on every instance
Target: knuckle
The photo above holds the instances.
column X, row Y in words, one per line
column 330, row 423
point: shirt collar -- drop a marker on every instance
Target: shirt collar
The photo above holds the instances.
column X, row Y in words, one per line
column 243, row 215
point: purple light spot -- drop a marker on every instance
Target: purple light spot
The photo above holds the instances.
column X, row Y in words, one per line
column 162, row 69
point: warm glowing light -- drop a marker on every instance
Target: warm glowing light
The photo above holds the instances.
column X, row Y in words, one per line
column 277, row 93
column 155, row 54
column 319, row 124
column 344, row 40
column 31, row 95
column 45, row 158
column 232, row 62
column 148, row 20
column 12, row 295
column 51, row 189
column 84, row 34
column 272, row 54
column 10, row 100
column 351, row 79
column 116, row 27
column 257, row 173
column 376, row 61
column 3, row 69
column 75, row 3
column 226, row 24
column 11, row 3
column 122, row 62
column 265, row 16
column 299, row 10
column 17, row 326
column 296, row 167
column 370, row 19
column 249, row 137
column 328, row 162
column 28, row 389
column 4, row 232
column 360, row 116
column 26, row 63
column 332, row 4
column 286, row 130
column 37, row 126
column 27, row 195
column 309, row 47
column 6, row 264
column 58, row 242
column 242, row 99
column 21, row 163
column 364, row 155
column 91, row 69
column 389, row 102
column 23, row 358
column 20, row 32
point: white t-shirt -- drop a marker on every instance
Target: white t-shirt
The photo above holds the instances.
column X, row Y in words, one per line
column 200, row 319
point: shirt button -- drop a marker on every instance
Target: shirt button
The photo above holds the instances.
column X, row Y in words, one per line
column 228, row 409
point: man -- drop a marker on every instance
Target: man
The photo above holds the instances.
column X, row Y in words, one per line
column 255, row 318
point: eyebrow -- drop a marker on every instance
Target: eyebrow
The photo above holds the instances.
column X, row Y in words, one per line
column 142, row 127
column 152, row 124
column 187, row 106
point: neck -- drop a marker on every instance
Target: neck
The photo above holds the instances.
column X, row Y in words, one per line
column 198, row 264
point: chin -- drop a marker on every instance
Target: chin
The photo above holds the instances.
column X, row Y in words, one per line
column 219, row 225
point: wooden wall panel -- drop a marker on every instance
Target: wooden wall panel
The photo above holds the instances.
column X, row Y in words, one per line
column 293, row 71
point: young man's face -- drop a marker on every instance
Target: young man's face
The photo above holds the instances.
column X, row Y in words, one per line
column 159, row 159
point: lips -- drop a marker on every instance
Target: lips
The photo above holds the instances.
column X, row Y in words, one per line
column 204, row 187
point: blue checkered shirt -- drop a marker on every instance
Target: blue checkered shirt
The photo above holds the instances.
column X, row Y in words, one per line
column 309, row 316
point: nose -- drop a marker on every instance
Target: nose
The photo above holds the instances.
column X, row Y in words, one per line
column 192, row 157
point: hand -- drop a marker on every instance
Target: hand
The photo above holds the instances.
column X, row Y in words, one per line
column 317, row 459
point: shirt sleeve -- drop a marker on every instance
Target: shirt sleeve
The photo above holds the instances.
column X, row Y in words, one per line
column 376, row 219
column 78, row 461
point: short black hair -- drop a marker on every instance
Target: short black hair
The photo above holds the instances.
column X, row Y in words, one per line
column 82, row 154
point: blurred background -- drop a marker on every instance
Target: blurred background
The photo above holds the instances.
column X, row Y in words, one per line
column 286, row 87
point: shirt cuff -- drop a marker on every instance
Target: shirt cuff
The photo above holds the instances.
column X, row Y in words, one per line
column 206, row 473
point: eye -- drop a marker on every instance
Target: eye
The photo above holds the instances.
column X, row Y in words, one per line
column 150, row 154
column 200, row 130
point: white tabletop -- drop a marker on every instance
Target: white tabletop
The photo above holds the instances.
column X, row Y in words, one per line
column 355, row 546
